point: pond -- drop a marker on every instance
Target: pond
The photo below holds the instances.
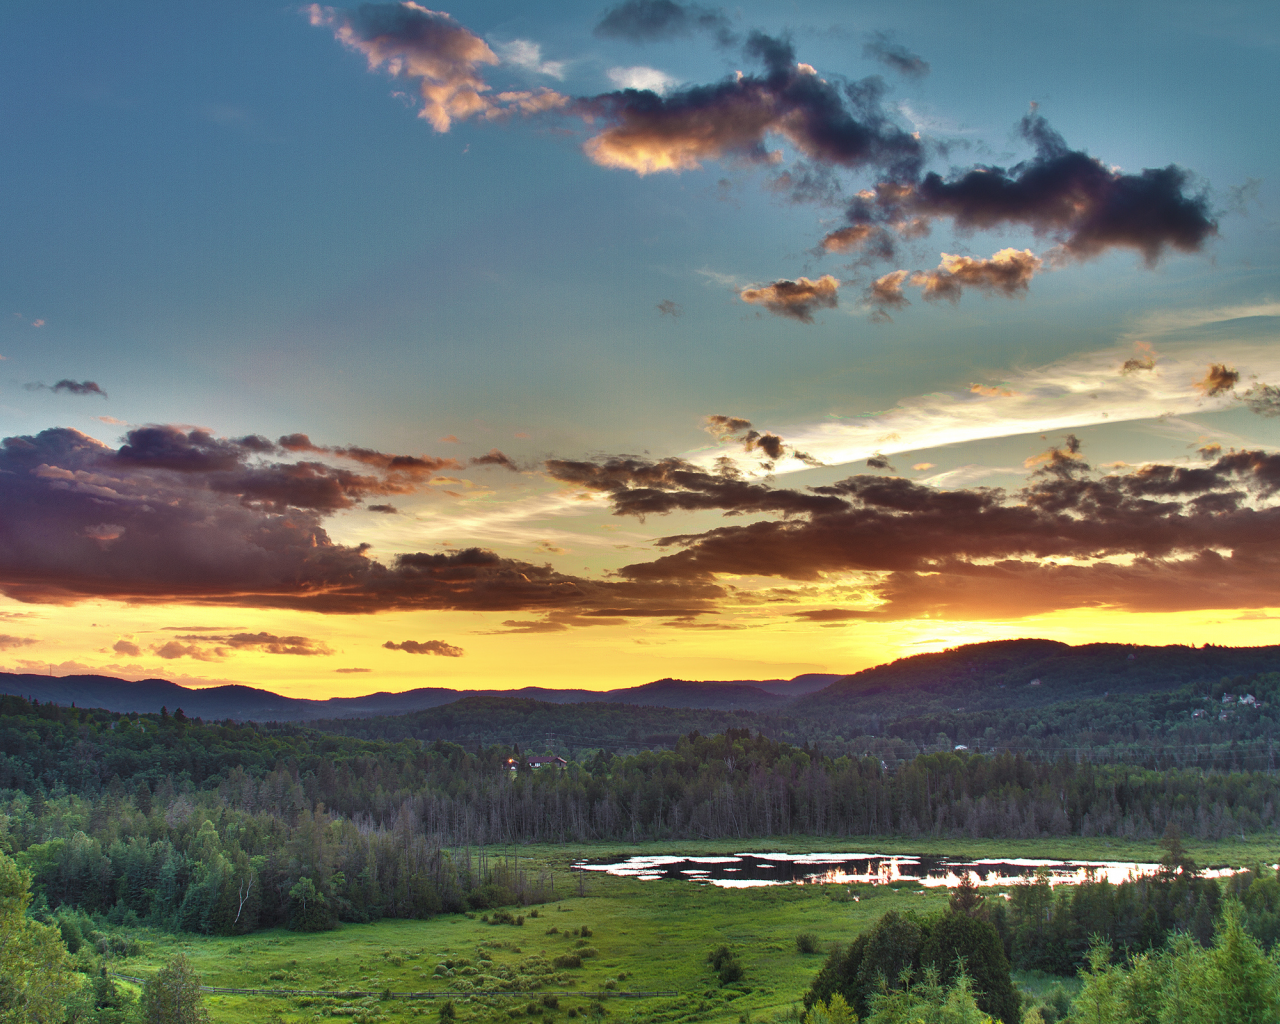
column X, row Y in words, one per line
column 743, row 870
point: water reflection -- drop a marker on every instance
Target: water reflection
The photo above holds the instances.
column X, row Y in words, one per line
column 744, row 870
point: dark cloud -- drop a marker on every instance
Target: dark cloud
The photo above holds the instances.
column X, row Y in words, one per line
column 878, row 461
column 722, row 427
column 641, row 488
column 1218, row 380
column 1063, row 461
column 795, row 299
column 127, row 648
column 233, row 466
column 1136, row 364
column 495, row 458
column 389, row 510
column 71, row 387
column 1064, row 190
column 172, row 448
column 182, row 530
column 172, row 650
column 438, row 647
column 1063, row 193
column 1264, row 399
column 735, row 428
column 895, row 56
column 403, row 467
column 845, row 127
column 349, row 670
column 647, row 21
column 528, row 626
column 1160, row 537
column 668, row 308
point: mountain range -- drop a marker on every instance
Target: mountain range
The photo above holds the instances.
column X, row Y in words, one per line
column 249, row 703
column 998, row 675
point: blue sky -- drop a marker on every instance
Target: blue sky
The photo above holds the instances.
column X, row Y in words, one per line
column 224, row 219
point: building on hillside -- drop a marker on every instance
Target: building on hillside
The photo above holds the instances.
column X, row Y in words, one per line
column 546, row 761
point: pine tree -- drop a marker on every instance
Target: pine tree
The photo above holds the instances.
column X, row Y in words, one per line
column 173, row 995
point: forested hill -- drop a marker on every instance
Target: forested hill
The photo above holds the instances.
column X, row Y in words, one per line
column 1018, row 674
column 247, row 703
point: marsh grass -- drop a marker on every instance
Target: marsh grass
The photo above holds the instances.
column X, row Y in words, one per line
column 627, row 934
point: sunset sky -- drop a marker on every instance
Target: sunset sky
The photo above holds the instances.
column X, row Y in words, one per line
column 356, row 349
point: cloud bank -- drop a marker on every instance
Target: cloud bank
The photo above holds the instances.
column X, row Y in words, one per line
column 179, row 515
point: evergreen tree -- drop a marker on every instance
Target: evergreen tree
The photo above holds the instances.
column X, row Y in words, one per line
column 173, row 996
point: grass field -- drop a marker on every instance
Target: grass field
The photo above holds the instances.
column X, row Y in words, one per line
column 647, row 936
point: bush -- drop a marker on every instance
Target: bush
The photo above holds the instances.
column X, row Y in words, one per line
column 490, row 895
column 551, row 1001
column 807, row 942
column 726, row 965
column 567, row 960
column 585, row 932
column 448, row 1011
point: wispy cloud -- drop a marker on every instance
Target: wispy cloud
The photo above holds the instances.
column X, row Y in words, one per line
column 641, row 77
column 1067, row 395
column 526, row 54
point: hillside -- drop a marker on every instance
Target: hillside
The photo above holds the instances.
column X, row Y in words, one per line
column 1008, row 675
column 247, row 703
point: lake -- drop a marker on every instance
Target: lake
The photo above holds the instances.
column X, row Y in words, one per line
column 743, row 870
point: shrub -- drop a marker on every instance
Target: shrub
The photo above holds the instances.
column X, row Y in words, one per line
column 553, row 930
column 448, row 1011
column 533, row 912
column 726, row 965
column 807, row 942
column 520, row 920
column 585, row 932
column 551, row 1001
column 567, row 960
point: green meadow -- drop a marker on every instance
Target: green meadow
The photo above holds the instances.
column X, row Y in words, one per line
column 629, row 936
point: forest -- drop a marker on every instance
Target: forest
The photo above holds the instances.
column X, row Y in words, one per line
column 228, row 827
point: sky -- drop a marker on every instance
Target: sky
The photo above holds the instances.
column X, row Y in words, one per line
column 365, row 348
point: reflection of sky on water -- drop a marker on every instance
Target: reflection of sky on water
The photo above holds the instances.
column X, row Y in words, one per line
column 746, row 870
